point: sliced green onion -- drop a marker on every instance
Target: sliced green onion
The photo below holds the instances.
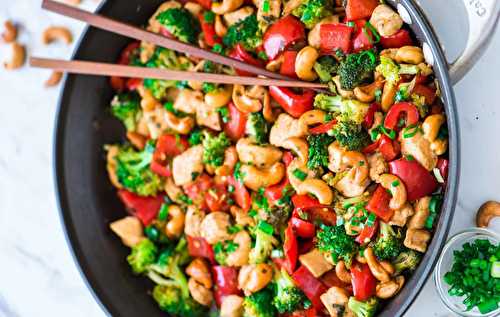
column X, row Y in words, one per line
column 437, row 174
column 299, row 174
column 277, row 254
column 374, row 32
column 265, row 227
column 351, row 24
column 163, row 213
column 217, row 48
column 209, row 16
column 435, row 204
column 374, row 134
column 410, row 131
column 265, row 6
column 370, row 222
column 495, row 269
column 429, row 222
column 389, row 132
column 395, row 183
column 488, row 306
column 340, row 221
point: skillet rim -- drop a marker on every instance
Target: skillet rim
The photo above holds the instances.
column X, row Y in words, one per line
column 396, row 307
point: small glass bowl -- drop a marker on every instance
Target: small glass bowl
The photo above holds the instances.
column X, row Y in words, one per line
column 454, row 303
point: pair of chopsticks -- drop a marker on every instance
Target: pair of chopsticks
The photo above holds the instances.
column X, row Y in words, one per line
column 105, row 69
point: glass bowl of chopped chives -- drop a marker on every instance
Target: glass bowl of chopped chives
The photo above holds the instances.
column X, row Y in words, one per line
column 467, row 275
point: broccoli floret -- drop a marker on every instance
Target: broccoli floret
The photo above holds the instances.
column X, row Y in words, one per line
column 181, row 23
column 389, row 69
column 196, row 137
column 167, row 59
column 126, row 107
column 257, row 127
column 406, row 260
column 158, row 87
column 223, row 249
column 264, row 243
column 246, row 32
column 142, row 256
column 214, row 148
column 408, row 69
column 259, row 304
column 357, row 69
column 351, row 135
column 335, row 240
column 288, row 297
column 311, row 12
column 363, row 309
column 170, row 300
column 388, row 244
column 318, row 150
column 325, row 66
column 348, row 108
column 133, row 171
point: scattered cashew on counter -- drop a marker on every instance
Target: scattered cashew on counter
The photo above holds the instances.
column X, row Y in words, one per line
column 486, row 212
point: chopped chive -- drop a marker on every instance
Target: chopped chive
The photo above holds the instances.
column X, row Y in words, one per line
column 265, row 227
column 370, row 222
column 209, row 16
column 163, row 213
column 265, row 6
column 299, row 174
column 437, row 174
column 395, row 183
column 410, row 131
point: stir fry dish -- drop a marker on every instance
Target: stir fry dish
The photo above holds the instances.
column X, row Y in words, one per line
column 271, row 201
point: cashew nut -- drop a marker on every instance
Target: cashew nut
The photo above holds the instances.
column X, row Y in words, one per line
column 236, row 16
column 312, row 117
column 241, row 217
column 397, row 189
column 486, row 212
column 239, row 257
column 259, row 155
column 10, row 33
column 137, row 140
column 232, row 306
column 111, row 165
column 298, row 146
column 275, row 64
column 254, row 277
column 318, row 188
column 219, row 97
column 55, row 33
column 175, row 225
column 409, row 54
column 367, row 93
column 385, row 20
column 214, row 227
column 230, row 160
column 360, row 258
column 431, row 127
column 129, row 229
column 255, row 178
column 388, row 267
column 18, row 57
column 200, row 293
column 243, row 102
column 194, row 8
column 295, row 182
column 226, row 6
column 388, row 95
column 343, row 92
column 304, row 63
column 390, row 288
column 220, row 28
column 54, row 79
column 342, row 272
column 377, row 270
column 200, row 272
column 269, row 112
column 179, row 125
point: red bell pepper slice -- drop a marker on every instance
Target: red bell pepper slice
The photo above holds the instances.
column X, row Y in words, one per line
column 361, row 41
column 363, row 281
column 399, row 39
column 379, row 204
column 305, row 202
column 302, row 228
column 160, row 169
column 197, row 190
column 235, row 127
column 311, row 286
column 199, row 247
column 370, row 115
column 418, row 181
column 390, row 149
column 144, row 208
column 323, row 128
column 335, row 36
column 371, row 148
column 240, row 54
column 275, row 192
column 291, row 250
column 295, row 104
column 208, row 30
column 226, row 279
column 119, row 83
column 216, row 198
column 167, row 146
column 396, row 111
column 427, row 92
column 360, row 9
column 282, row 34
column 287, row 158
column 330, row 279
column 442, row 165
column 241, row 194
column 288, row 66
column 133, row 83
column 324, row 214
column 367, row 233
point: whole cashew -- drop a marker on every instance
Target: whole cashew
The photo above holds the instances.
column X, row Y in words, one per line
column 390, row 288
column 220, row 28
column 299, row 146
column 194, row 8
column 241, row 14
column 254, row 277
column 239, row 257
column 431, row 127
column 219, row 97
column 388, row 95
column 312, row 117
column 259, row 155
column 486, row 212
column 179, row 125
column 304, row 63
column 129, row 229
column 388, row 267
column 318, row 188
column 269, row 112
column 137, row 140
column 200, row 272
column 397, row 189
column 409, row 54
column 296, row 165
column 111, row 165
column 175, row 225
column 344, row 93
column 232, row 306
column 18, row 57
column 54, row 79
column 200, row 293
column 367, row 93
column 230, row 160
column 377, row 270
column 385, row 20
column 243, row 102
column 275, row 64
column 10, row 33
column 173, row 191
column 360, row 258
column 342, row 272
column 55, row 33
column 255, row 178
column 226, row 6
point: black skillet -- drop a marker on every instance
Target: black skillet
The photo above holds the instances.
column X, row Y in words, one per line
column 88, row 203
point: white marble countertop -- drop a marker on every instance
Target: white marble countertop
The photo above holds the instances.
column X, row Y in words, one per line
column 37, row 274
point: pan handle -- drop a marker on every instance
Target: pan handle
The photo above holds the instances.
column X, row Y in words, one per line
column 483, row 18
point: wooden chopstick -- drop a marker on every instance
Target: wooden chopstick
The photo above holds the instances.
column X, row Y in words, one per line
column 104, row 69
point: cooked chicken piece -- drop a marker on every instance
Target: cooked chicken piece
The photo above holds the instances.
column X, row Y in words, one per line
column 156, row 121
column 335, row 300
column 208, row 116
column 421, row 213
column 129, row 229
column 242, row 13
column 188, row 101
column 420, row 148
column 417, row 239
column 286, row 127
column 187, row 164
column 315, row 262
column 378, row 165
column 401, row 215
column 261, row 156
column 232, row 306
column 385, row 20
column 214, row 227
